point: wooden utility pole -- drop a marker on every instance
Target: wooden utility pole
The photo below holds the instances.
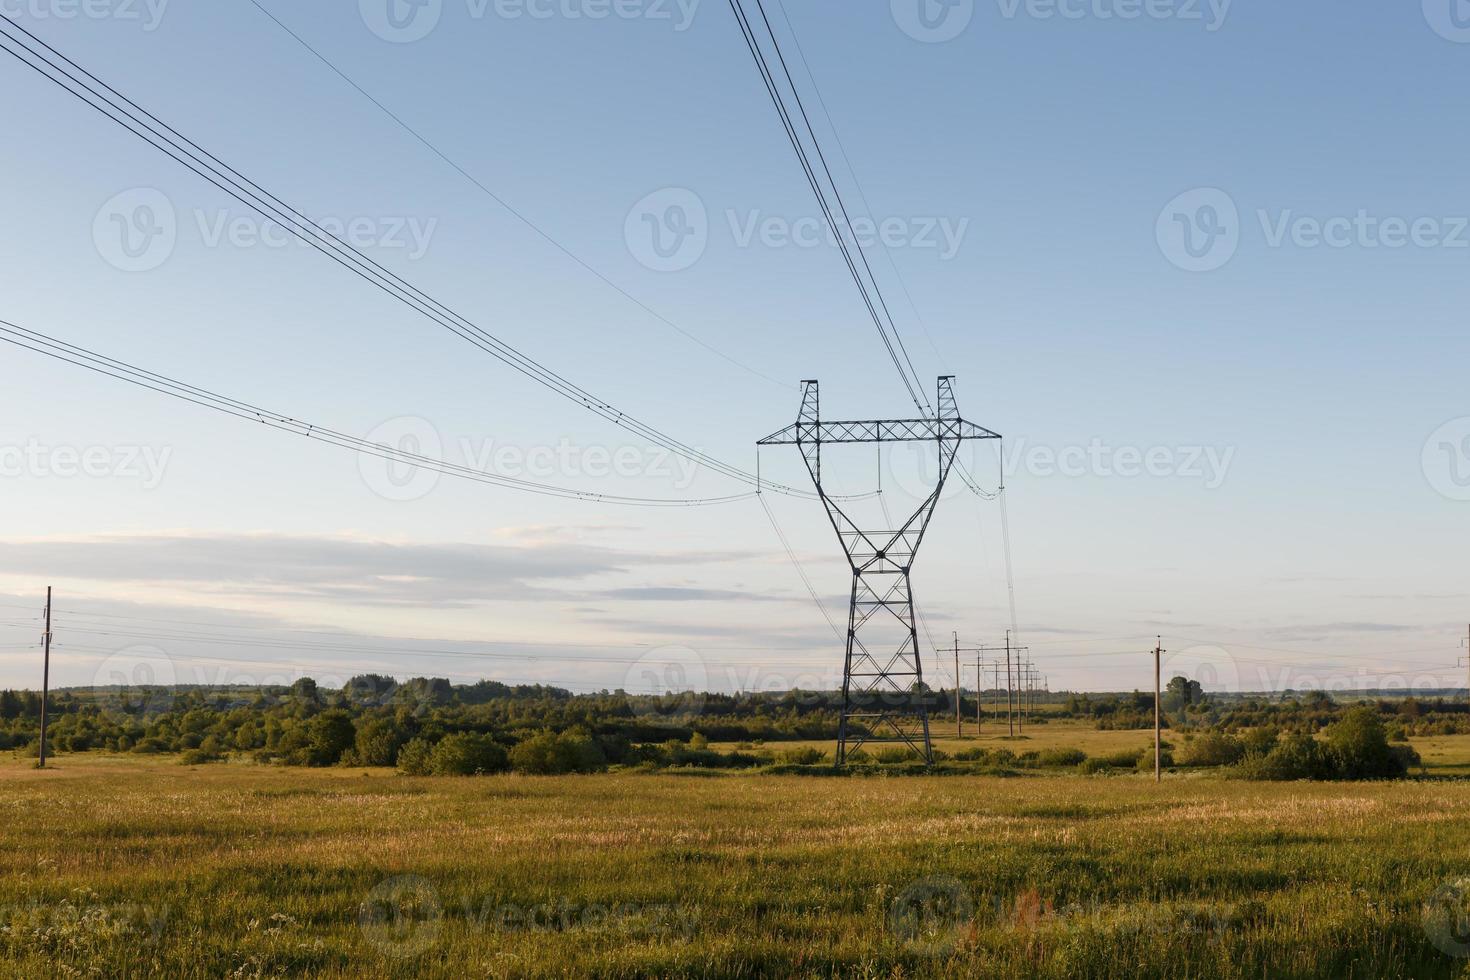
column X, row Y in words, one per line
column 1466, row 644
column 959, row 724
column 1158, row 712
column 979, row 686
column 45, row 674
column 1010, row 713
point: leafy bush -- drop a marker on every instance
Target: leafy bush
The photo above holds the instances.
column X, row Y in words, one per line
column 377, row 741
column 1211, row 749
column 1259, row 741
column 1126, row 758
column 414, row 758
column 1295, row 757
column 807, row 756
column 1359, row 749
column 550, row 754
column 468, row 754
column 1093, row 767
column 1061, row 758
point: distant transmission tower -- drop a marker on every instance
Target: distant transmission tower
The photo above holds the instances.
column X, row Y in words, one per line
column 883, row 693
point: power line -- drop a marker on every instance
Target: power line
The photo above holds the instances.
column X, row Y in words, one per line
column 125, row 112
column 773, row 89
column 513, row 212
column 111, row 367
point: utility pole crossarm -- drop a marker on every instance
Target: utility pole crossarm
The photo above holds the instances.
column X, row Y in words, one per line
column 891, row 430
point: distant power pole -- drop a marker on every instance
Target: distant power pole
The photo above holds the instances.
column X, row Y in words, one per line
column 1158, row 712
column 1466, row 643
column 979, row 703
column 45, row 674
column 959, row 724
column 1010, row 712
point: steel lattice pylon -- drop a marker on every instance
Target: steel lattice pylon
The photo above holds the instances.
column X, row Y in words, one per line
column 883, row 693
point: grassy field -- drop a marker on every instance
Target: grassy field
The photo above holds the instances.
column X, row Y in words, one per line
column 116, row 867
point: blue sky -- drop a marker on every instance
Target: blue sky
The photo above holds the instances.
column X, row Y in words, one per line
column 1231, row 236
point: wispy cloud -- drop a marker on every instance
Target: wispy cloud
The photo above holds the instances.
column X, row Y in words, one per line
column 338, row 569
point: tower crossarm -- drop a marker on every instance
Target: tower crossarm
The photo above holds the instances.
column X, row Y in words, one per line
column 880, row 430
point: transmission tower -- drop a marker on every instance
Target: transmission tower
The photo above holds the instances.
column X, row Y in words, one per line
column 883, row 693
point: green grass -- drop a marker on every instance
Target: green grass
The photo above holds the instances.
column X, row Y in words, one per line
column 117, row 867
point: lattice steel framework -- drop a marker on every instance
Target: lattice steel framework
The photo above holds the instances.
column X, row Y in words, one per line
column 883, row 693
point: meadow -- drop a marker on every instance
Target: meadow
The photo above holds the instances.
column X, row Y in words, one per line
column 129, row 867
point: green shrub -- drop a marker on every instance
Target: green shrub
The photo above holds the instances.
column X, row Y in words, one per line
column 1259, row 741
column 1211, row 749
column 1358, row 746
column 550, row 754
column 806, row 756
column 1061, row 758
column 1093, row 767
column 1126, row 758
column 1294, row 757
column 413, row 758
column 468, row 754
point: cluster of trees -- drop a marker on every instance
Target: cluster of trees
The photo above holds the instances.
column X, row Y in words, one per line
column 424, row 725
column 1355, row 746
